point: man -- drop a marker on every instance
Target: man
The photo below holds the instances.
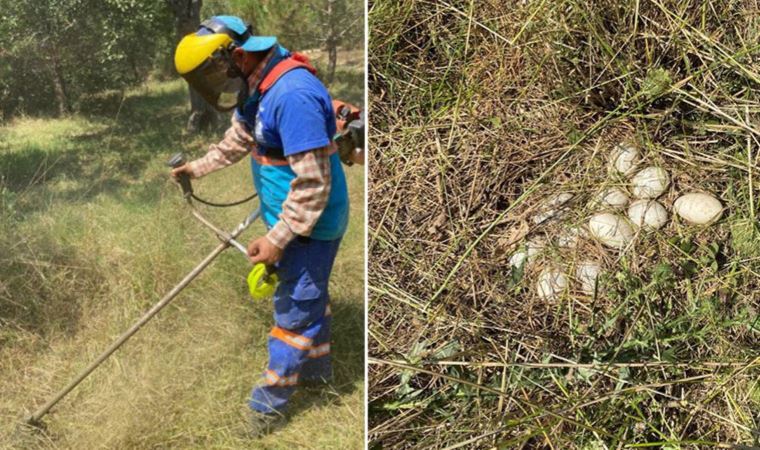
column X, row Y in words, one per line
column 285, row 120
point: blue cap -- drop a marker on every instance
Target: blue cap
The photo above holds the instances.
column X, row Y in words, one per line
column 242, row 30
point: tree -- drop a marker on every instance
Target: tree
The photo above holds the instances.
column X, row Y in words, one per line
column 338, row 20
column 301, row 25
column 187, row 18
column 65, row 50
column 331, row 18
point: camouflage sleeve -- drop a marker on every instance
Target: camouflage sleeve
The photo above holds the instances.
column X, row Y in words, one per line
column 307, row 198
column 235, row 145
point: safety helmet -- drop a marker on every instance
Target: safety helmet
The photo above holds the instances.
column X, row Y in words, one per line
column 204, row 59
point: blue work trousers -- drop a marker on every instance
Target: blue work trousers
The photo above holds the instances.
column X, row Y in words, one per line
column 299, row 343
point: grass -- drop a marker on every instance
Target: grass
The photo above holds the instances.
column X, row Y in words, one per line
column 93, row 233
column 480, row 112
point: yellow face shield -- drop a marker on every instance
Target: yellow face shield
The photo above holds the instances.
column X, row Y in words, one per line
column 205, row 63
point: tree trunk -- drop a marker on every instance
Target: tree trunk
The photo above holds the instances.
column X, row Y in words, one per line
column 331, row 42
column 187, row 17
column 59, row 85
column 202, row 115
column 332, row 59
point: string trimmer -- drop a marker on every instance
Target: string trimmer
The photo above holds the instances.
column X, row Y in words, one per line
column 262, row 281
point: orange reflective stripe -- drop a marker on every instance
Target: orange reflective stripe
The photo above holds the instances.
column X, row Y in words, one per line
column 290, row 338
column 319, row 351
column 275, row 380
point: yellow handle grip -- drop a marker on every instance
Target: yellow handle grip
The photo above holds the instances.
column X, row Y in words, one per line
column 262, row 283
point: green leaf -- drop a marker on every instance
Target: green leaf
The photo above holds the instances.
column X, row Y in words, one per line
column 446, row 351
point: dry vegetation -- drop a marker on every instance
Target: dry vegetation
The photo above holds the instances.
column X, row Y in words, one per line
column 92, row 234
column 480, row 110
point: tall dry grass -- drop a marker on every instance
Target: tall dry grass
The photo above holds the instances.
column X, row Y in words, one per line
column 92, row 234
column 481, row 110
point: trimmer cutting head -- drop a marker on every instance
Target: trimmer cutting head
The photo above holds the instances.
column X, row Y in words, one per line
column 31, row 422
column 29, row 433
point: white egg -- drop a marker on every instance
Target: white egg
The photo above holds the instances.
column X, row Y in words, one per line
column 518, row 259
column 552, row 207
column 647, row 213
column 587, row 273
column 650, row 182
column 528, row 254
column 559, row 199
column 570, row 237
column 551, row 283
column 698, row 208
column 611, row 230
column 544, row 216
column 624, row 158
column 614, row 198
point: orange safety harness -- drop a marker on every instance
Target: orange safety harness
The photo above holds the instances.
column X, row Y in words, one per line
column 345, row 113
column 295, row 61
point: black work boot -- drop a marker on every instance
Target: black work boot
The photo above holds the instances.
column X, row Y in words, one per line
column 260, row 424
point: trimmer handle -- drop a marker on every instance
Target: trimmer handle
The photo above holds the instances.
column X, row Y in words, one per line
column 178, row 160
column 356, row 128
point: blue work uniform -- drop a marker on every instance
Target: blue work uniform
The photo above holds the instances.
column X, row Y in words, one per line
column 296, row 115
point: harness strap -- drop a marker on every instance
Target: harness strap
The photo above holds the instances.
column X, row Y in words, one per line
column 275, row 157
column 295, row 61
column 270, row 160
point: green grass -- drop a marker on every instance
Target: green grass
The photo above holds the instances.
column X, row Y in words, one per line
column 480, row 111
column 92, row 233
